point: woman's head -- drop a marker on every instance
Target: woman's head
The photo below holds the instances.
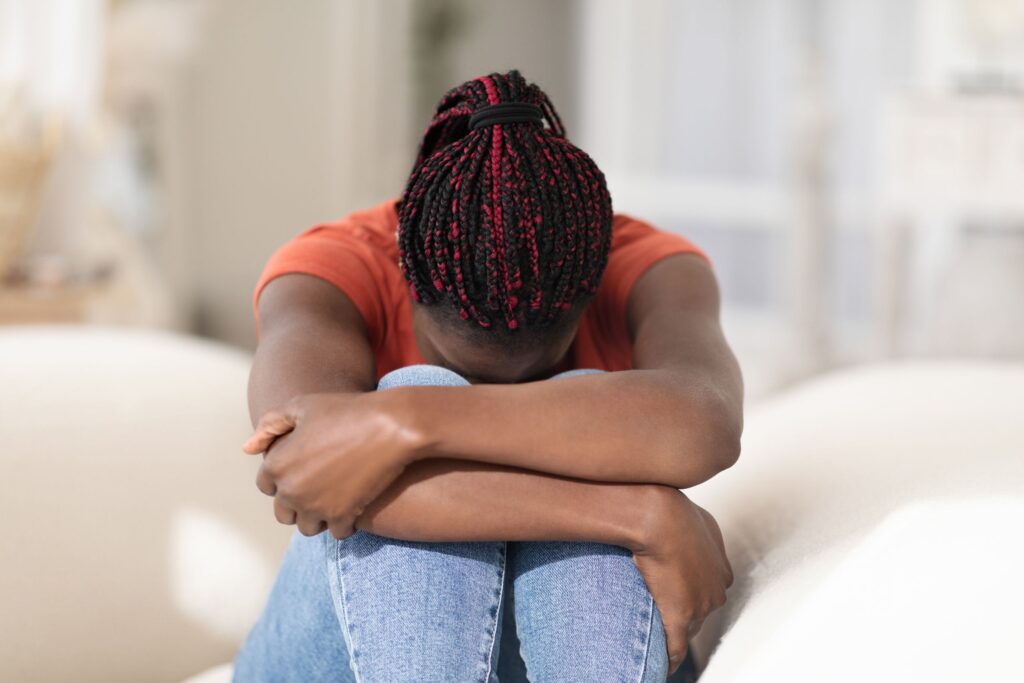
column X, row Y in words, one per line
column 505, row 228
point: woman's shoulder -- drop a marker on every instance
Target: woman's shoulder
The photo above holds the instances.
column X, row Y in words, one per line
column 358, row 253
column 637, row 244
column 628, row 227
column 637, row 238
column 375, row 226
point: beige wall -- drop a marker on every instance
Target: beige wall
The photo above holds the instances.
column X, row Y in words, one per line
column 538, row 37
column 259, row 122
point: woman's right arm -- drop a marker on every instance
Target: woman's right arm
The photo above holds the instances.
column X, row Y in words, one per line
column 313, row 339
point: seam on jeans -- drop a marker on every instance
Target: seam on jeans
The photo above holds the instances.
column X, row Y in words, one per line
column 497, row 614
column 647, row 648
column 344, row 612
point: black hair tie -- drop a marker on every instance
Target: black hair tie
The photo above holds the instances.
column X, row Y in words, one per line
column 506, row 112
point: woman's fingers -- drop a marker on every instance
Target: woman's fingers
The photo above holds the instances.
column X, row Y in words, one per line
column 675, row 640
column 283, row 513
column 341, row 530
column 309, row 525
column 676, row 657
column 272, row 425
column 264, row 482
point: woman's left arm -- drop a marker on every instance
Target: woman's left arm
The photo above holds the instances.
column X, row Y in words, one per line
column 674, row 419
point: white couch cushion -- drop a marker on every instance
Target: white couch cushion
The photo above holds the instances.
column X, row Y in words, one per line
column 136, row 545
column 856, row 496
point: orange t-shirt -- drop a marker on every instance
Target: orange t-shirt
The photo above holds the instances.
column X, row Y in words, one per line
column 359, row 255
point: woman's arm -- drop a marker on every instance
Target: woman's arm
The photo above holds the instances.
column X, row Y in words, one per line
column 313, row 341
column 452, row 500
column 674, row 420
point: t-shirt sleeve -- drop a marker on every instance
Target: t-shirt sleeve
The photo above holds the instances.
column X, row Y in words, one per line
column 637, row 247
column 337, row 256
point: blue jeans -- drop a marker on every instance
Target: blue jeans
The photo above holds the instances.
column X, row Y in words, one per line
column 371, row 609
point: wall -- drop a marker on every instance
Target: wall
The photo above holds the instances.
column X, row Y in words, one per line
column 296, row 113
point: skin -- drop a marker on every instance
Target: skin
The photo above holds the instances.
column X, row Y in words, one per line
column 592, row 458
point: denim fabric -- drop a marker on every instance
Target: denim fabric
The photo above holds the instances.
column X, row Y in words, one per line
column 371, row 609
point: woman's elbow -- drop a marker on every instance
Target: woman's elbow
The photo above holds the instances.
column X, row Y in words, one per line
column 711, row 444
column 727, row 451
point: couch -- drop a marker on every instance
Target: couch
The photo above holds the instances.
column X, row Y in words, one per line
column 136, row 546
column 876, row 522
column 874, row 519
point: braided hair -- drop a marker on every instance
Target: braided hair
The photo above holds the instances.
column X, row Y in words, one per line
column 507, row 226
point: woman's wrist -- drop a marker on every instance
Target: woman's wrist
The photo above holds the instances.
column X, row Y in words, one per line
column 415, row 427
column 661, row 510
column 619, row 513
column 640, row 511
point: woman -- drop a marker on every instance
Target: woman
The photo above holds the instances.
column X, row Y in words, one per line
column 470, row 520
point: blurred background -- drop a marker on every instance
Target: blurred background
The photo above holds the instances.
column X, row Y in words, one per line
column 853, row 167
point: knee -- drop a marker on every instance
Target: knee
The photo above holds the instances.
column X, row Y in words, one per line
column 577, row 371
column 594, row 599
column 422, row 374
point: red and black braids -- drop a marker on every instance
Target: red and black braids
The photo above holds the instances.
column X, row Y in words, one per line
column 510, row 223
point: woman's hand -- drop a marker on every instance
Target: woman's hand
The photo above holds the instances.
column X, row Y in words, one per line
column 328, row 456
column 683, row 561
